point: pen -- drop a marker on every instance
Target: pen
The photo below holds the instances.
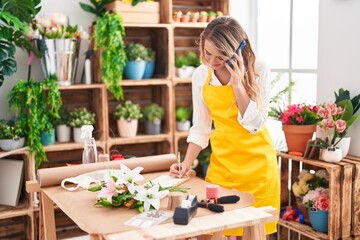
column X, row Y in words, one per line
column 179, row 163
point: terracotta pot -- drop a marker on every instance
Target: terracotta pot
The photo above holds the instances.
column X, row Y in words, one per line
column 297, row 136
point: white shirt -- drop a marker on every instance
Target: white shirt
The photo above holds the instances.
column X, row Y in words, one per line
column 253, row 118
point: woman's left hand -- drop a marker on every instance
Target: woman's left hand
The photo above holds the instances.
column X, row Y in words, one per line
column 237, row 71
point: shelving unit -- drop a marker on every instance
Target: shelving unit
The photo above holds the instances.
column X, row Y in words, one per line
column 166, row 38
column 343, row 221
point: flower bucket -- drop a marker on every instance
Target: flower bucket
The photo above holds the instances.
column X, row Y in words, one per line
column 60, row 57
column 48, row 137
column 149, row 69
column 319, row 219
column 297, row 136
column 127, row 128
column 135, row 69
column 11, row 144
column 331, row 154
column 344, row 145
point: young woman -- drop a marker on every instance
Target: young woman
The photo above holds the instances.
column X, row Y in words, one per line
column 236, row 98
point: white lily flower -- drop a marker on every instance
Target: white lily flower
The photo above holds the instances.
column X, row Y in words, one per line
column 129, row 177
column 151, row 196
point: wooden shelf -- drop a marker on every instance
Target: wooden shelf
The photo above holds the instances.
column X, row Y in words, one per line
column 147, row 25
column 81, row 86
column 20, row 210
column 190, row 24
column 145, row 82
column 181, row 134
column 13, row 152
column 177, row 80
column 70, row 146
column 140, row 139
column 303, row 229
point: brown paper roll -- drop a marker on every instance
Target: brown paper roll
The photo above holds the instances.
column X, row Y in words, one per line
column 53, row 176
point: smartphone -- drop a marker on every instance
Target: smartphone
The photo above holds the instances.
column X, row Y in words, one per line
column 241, row 47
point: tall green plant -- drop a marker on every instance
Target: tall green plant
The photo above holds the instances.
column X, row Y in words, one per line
column 35, row 104
column 108, row 35
column 15, row 15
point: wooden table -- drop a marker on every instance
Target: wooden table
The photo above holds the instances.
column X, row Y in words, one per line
column 101, row 222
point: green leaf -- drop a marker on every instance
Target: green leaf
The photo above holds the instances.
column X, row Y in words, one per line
column 347, row 106
column 7, row 50
column 96, row 188
column 353, row 119
column 8, row 66
column 12, row 20
column 24, row 10
column 88, row 8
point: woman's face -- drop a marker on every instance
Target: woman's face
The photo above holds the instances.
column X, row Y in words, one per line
column 213, row 57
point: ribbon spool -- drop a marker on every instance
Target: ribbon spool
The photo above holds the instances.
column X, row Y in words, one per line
column 212, row 191
column 292, row 214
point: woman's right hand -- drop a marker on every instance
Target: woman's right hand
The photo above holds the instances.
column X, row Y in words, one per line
column 174, row 170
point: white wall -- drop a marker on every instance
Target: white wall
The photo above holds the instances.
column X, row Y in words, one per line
column 339, row 55
column 72, row 9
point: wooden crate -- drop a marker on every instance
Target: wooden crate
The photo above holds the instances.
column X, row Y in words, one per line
column 143, row 12
column 336, row 174
column 355, row 207
column 16, row 228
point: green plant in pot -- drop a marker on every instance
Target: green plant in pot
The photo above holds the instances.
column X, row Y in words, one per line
column 108, row 37
column 11, row 136
column 183, row 115
column 62, row 126
column 153, row 114
column 186, row 63
column 35, row 104
column 150, row 64
column 78, row 118
column 127, row 116
column 136, row 54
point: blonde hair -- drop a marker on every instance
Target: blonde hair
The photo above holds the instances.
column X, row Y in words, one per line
column 226, row 34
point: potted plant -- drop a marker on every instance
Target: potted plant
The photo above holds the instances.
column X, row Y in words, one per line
column 11, row 136
column 108, row 36
column 194, row 17
column 136, row 55
column 150, row 64
column 78, row 118
column 153, row 114
column 299, row 124
column 211, row 16
column 127, row 116
column 186, row 64
column 203, row 16
column 35, row 103
column 177, row 16
column 47, row 135
column 185, row 17
column 183, row 115
column 62, row 126
column 351, row 106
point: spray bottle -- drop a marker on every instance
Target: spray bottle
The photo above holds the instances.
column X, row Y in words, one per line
column 90, row 152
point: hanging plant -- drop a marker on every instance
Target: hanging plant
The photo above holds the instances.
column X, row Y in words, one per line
column 108, row 35
column 36, row 105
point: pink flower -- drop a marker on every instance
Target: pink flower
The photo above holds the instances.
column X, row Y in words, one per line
column 327, row 123
column 332, row 108
column 324, row 112
column 300, row 119
column 109, row 191
column 340, row 125
column 322, row 202
column 340, row 110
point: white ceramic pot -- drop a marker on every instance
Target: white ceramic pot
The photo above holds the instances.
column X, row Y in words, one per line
column 184, row 72
column 63, row 133
column 183, row 126
column 331, row 154
column 344, row 145
column 127, row 128
column 11, row 144
column 77, row 135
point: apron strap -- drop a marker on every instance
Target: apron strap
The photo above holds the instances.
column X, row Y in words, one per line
column 208, row 78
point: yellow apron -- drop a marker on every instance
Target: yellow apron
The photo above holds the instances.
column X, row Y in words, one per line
column 240, row 160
